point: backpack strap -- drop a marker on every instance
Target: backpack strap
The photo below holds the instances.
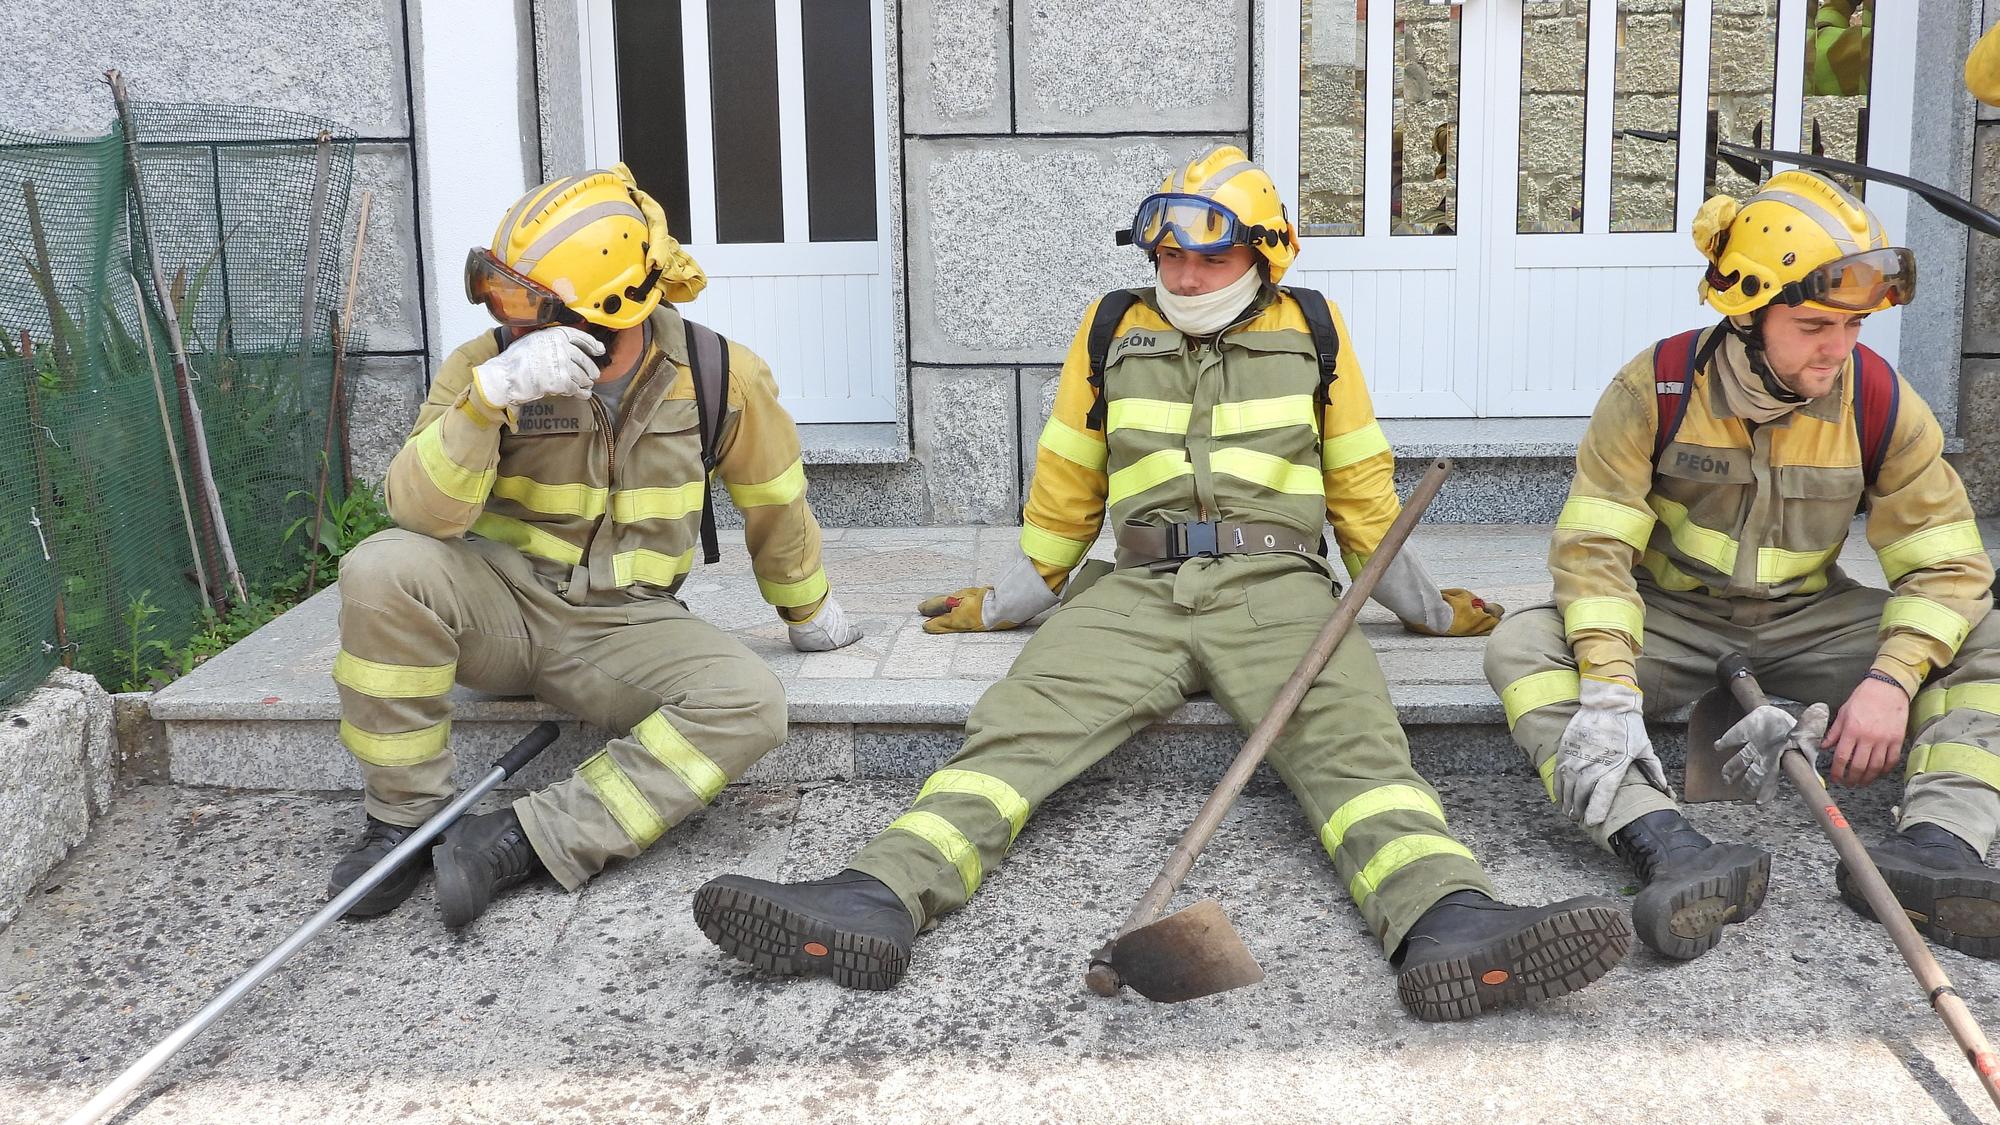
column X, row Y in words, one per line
column 1676, row 360
column 708, row 360
column 1877, row 395
column 1111, row 309
column 1326, row 342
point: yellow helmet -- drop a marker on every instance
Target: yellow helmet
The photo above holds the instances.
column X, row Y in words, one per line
column 1218, row 200
column 591, row 246
column 1801, row 240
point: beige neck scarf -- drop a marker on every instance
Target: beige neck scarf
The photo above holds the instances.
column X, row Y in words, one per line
column 1743, row 391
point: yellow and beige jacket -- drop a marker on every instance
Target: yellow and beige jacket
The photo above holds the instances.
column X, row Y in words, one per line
column 1218, row 429
column 601, row 504
column 1757, row 517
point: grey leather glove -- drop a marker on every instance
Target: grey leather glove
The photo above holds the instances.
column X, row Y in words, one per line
column 825, row 630
column 1605, row 738
column 1760, row 739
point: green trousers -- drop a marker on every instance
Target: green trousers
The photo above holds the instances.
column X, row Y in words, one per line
column 418, row 614
column 1124, row 654
column 1813, row 647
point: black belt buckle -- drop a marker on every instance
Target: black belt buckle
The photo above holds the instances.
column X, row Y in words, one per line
column 1193, row 540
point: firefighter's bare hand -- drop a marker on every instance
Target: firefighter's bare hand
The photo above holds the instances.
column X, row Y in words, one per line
column 1867, row 736
column 962, row 612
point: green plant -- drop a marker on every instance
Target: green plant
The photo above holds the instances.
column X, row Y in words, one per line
column 138, row 617
column 344, row 523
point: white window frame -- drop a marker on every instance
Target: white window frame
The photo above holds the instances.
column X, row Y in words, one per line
column 760, row 293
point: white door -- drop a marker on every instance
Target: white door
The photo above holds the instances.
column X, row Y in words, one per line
column 772, row 163
column 1466, row 195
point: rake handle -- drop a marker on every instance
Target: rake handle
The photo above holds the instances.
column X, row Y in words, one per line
column 1944, row 999
column 1101, row 978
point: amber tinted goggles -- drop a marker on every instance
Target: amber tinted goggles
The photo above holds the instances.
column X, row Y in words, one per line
column 1864, row 282
column 513, row 300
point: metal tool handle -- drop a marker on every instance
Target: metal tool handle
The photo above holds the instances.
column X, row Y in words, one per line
column 1101, row 978
column 1944, row 999
column 108, row 1098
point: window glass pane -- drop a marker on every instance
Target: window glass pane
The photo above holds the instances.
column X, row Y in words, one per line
column 743, row 82
column 1840, row 60
column 1645, row 94
column 1333, row 85
column 840, row 120
column 1555, row 56
column 1742, row 81
column 1423, row 149
column 652, row 109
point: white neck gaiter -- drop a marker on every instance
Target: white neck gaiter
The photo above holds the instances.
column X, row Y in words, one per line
column 1209, row 313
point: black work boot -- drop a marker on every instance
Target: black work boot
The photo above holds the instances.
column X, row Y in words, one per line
column 1692, row 886
column 1945, row 887
column 1469, row 954
column 480, row 856
column 378, row 839
column 850, row 927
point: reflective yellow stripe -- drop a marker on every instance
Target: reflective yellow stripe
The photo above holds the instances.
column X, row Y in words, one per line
column 636, row 816
column 630, row 505
column 781, row 489
column 467, row 486
column 1927, row 617
column 1355, row 446
column 1274, row 473
column 1557, row 685
column 1604, row 613
column 1147, row 414
column 1389, row 798
column 1629, row 526
column 786, row 595
column 1398, row 854
column 406, row 749
column 949, row 842
column 527, row 538
column 655, row 568
column 1003, row 797
column 1703, row 545
column 1955, row 757
column 1775, row 564
column 1147, row 472
column 702, row 777
column 1936, row 701
column 1261, row 414
column 1071, row 445
column 1048, row 547
column 1547, row 770
column 581, row 500
column 392, row 681
column 1354, row 561
column 1668, row 576
column 1930, row 547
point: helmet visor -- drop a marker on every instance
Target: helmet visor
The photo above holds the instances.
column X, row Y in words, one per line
column 513, row 300
column 1866, row 282
column 1198, row 224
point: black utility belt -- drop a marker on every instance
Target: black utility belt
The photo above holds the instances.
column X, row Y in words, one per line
column 1151, row 544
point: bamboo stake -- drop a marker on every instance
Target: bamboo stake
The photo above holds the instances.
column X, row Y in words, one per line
column 173, row 451
column 47, row 492
column 336, row 407
column 199, row 439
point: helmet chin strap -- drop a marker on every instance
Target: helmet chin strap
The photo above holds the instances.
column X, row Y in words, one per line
column 1752, row 335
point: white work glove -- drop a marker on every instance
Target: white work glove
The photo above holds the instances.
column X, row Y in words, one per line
column 1760, row 739
column 547, row 361
column 1606, row 737
column 827, row 629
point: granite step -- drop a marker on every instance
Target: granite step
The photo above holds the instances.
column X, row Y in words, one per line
column 264, row 714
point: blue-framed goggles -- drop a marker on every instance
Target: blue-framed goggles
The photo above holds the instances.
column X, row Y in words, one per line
column 1197, row 223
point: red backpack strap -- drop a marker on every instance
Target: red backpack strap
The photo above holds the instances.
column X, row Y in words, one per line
column 1674, row 361
column 1877, row 395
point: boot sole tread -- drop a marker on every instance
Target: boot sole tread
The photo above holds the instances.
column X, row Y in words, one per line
column 1551, row 957
column 1688, row 923
column 759, row 932
column 1959, row 912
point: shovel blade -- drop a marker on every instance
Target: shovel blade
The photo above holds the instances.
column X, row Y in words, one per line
column 1713, row 714
column 1187, row 954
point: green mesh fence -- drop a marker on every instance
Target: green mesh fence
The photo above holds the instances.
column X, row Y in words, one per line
column 97, row 551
